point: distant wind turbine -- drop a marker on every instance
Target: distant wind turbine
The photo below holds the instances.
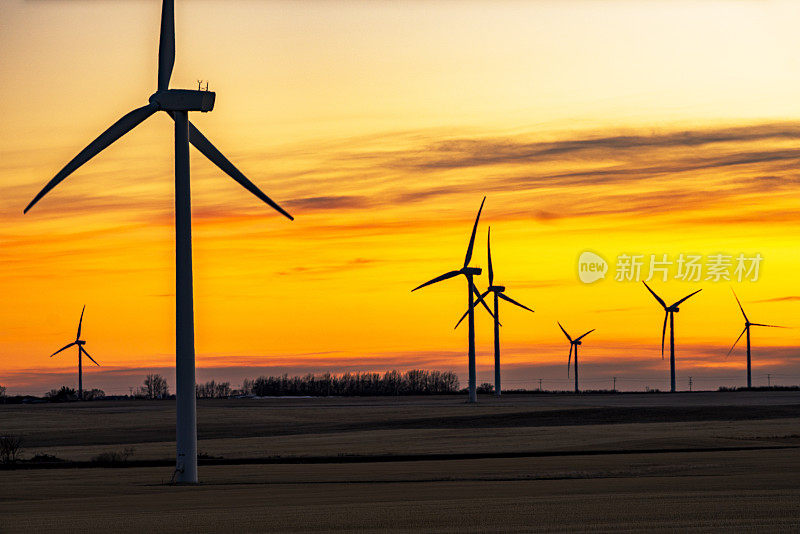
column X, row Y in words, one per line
column 669, row 313
column 177, row 103
column 498, row 292
column 573, row 344
column 468, row 273
column 81, row 351
column 747, row 325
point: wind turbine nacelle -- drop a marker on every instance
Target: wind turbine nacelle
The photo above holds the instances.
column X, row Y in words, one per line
column 498, row 289
column 474, row 271
column 184, row 100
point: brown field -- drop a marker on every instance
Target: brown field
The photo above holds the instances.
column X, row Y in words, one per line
column 699, row 461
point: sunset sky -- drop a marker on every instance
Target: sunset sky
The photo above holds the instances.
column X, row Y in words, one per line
column 658, row 127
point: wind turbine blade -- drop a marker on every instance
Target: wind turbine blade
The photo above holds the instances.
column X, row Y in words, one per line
column 472, row 237
column 80, row 323
column 216, row 157
column 569, row 359
column 87, row 355
column 664, row 304
column 512, row 301
column 687, row 296
column 565, row 333
column 735, row 342
column 439, row 278
column 740, row 305
column 489, row 249
column 480, row 299
column 474, row 304
column 166, row 44
column 586, row 334
column 65, row 347
column 768, row 325
column 117, row 130
column 664, row 334
column 462, row 318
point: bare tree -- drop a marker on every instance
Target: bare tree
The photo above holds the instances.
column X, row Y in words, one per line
column 61, row 395
column 213, row 390
column 155, row 387
column 10, row 448
column 94, row 394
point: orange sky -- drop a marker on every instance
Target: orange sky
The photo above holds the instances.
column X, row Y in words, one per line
column 616, row 127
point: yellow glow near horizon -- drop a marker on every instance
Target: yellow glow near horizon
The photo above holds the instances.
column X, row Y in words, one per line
column 381, row 126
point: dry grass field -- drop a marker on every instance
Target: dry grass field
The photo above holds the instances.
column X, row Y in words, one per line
column 689, row 461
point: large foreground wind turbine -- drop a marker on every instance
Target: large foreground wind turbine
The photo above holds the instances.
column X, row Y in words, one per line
column 81, row 351
column 573, row 344
column 669, row 313
column 177, row 103
column 468, row 273
column 747, row 325
column 498, row 292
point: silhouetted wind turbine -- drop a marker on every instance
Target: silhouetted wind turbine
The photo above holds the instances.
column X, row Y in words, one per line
column 669, row 313
column 468, row 272
column 498, row 292
column 177, row 103
column 81, row 351
column 747, row 325
column 573, row 344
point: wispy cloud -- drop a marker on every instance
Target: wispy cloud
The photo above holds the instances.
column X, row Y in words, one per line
column 465, row 152
column 329, row 202
column 790, row 298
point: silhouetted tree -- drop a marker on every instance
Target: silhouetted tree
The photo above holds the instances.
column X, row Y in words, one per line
column 94, row 394
column 155, row 387
column 247, row 386
column 10, row 448
column 485, row 388
column 61, row 395
column 213, row 390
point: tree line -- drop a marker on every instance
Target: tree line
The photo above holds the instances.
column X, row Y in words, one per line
column 414, row 382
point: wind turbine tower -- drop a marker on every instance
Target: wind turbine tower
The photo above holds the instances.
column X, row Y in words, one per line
column 573, row 345
column 177, row 103
column 81, row 352
column 669, row 314
column 469, row 273
column 747, row 325
column 499, row 293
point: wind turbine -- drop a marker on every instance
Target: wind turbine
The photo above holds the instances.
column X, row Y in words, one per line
column 81, row 351
column 669, row 313
column 747, row 325
column 468, row 273
column 498, row 292
column 573, row 344
column 177, row 103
